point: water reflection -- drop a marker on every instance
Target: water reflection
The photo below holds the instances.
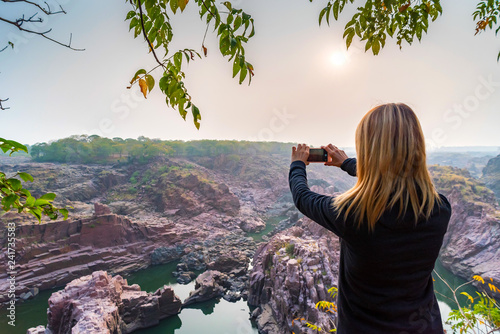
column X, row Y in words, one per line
column 206, row 307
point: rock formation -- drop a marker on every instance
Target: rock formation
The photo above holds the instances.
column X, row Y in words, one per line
column 99, row 303
column 209, row 285
column 52, row 254
column 291, row 273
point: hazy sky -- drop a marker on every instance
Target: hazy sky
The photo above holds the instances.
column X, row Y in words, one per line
column 451, row 79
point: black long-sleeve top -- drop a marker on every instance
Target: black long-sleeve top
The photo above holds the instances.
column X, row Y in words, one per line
column 385, row 283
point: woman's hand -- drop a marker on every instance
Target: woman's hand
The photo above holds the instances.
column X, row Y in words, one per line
column 300, row 153
column 335, row 156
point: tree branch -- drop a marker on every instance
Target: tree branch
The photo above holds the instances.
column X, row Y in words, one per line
column 43, row 34
column 1, row 106
column 146, row 37
column 47, row 11
column 454, row 291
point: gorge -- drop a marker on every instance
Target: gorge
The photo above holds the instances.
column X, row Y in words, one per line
column 204, row 214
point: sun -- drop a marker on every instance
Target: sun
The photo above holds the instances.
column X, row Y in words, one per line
column 339, row 58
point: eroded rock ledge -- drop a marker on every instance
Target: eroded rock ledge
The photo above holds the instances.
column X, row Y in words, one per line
column 99, row 303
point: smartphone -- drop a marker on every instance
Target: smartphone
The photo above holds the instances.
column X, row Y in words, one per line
column 317, row 155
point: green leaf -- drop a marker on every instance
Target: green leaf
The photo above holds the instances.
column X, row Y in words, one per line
column 348, row 41
column 163, row 83
column 7, row 201
column 48, row 196
column 18, row 146
column 15, row 184
column 336, row 10
column 136, row 75
column 252, row 33
column 40, row 202
column 137, row 31
column 233, row 42
column 150, row 82
column 147, row 26
column 243, row 74
column 348, row 31
column 321, row 14
column 174, row 5
column 178, row 60
column 25, row 177
column 236, row 66
column 134, row 22
column 237, row 23
column 376, row 47
column 25, row 192
column 37, row 213
column 130, row 15
column 368, row 45
column 64, row 212
column 196, row 116
column 418, row 32
column 149, row 5
column 30, row 201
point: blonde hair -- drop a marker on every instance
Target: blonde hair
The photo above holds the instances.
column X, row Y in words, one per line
column 391, row 167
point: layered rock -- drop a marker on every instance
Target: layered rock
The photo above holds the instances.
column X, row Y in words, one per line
column 99, row 303
column 189, row 192
column 291, row 273
column 52, row 254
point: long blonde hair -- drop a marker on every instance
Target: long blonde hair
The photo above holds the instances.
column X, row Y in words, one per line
column 391, row 167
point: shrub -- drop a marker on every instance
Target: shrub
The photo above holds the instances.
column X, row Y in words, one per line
column 290, row 248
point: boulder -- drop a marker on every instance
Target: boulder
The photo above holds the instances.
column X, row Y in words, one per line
column 209, row 284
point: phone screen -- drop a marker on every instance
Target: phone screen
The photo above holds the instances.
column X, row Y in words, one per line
column 317, row 155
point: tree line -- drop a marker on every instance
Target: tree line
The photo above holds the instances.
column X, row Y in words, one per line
column 101, row 150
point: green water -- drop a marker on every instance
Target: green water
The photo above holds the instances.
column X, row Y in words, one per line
column 271, row 223
column 444, row 295
column 216, row 316
column 28, row 314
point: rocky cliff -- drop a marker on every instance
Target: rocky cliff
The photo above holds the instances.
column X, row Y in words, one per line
column 291, row 273
column 471, row 245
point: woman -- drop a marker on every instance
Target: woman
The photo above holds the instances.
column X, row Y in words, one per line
column 390, row 224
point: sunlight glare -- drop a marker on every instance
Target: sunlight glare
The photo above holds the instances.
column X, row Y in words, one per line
column 339, row 58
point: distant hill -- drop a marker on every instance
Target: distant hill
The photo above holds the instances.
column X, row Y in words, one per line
column 491, row 175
